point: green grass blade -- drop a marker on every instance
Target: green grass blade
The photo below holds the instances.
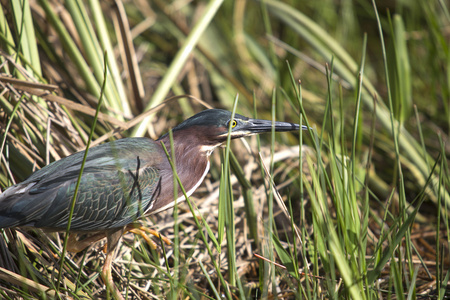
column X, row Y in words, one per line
column 77, row 186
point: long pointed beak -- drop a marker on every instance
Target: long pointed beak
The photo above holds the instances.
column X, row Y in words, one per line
column 255, row 126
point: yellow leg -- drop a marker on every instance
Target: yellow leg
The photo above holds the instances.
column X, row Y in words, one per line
column 74, row 245
column 113, row 238
column 107, row 277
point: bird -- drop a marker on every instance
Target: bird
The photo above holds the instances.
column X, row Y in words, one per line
column 123, row 181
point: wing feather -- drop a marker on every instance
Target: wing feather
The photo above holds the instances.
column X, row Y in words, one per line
column 119, row 184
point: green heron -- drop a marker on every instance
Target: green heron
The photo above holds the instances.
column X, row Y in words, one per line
column 123, row 181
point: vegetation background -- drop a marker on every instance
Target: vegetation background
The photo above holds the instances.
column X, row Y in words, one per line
column 359, row 211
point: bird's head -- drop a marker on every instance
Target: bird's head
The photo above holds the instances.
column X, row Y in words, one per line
column 210, row 127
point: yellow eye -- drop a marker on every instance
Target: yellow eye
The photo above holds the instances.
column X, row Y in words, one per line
column 233, row 124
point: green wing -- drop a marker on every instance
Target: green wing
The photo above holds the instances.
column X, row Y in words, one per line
column 120, row 182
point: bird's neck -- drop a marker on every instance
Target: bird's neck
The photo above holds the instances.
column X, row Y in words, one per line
column 188, row 149
column 192, row 165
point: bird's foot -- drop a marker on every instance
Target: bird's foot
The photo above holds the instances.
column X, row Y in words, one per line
column 142, row 231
